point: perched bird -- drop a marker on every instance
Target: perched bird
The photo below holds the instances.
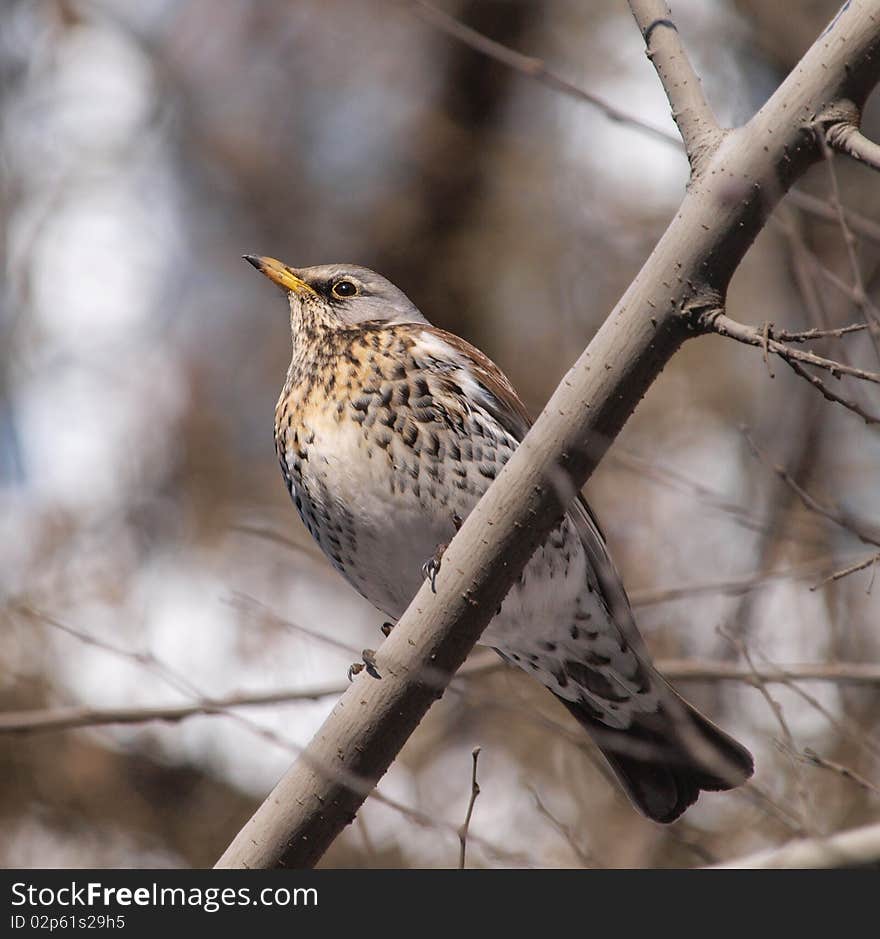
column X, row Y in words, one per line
column 388, row 431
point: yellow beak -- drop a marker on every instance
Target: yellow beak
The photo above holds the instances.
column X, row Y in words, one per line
column 279, row 274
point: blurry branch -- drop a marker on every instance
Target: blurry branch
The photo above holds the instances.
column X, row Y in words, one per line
column 814, row 759
column 696, row 670
column 806, row 817
column 463, row 831
column 70, row 718
column 844, row 521
column 574, row 843
column 855, row 848
column 144, row 658
column 74, row 718
column 857, row 290
column 829, row 395
column 869, row 561
column 531, row 67
column 863, row 226
column 732, row 586
column 742, row 177
column 664, row 475
column 696, row 123
column 537, row 70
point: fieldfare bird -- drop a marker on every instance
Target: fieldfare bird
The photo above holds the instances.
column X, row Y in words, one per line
column 388, row 431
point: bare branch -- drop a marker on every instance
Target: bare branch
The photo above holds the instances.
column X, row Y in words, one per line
column 819, row 208
column 463, row 831
column 814, row 759
column 695, row 670
column 846, row 522
column 869, row 561
column 854, row 848
column 779, row 714
column 536, row 69
column 830, row 395
column 532, row 68
column 731, row 586
column 74, row 718
column 585, row 858
column 725, row 326
column 665, row 475
column 71, row 718
column 858, row 292
column 696, row 123
column 848, row 138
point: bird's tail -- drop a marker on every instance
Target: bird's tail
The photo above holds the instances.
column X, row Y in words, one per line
column 663, row 760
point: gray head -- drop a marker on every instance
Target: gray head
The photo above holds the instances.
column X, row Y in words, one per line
column 339, row 294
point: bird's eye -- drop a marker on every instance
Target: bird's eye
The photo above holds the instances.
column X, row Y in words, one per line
column 344, row 289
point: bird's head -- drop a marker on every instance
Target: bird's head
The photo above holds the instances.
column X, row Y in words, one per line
column 337, row 295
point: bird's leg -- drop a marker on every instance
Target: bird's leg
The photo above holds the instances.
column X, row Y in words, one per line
column 368, row 662
column 431, row 567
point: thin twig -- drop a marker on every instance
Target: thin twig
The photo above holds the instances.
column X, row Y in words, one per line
column 869, row 561
column 725, row 326
column 779, row 714
column 830, row 395
column 537, row 70
column 732, row 586
column 75, row 718
column 533, row 68
column 814, row 505
column 859, row 294
column 586, row 859
column 814, row 759
column 820, row 209
column 808, row 335
column 475, row 791
column 662, row 474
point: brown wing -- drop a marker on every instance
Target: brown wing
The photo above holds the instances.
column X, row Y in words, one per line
column 504, row 404
column 498, row 396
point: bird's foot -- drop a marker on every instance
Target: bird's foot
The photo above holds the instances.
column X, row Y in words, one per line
column 431, row 567
column 386, row 628
column 368, row 662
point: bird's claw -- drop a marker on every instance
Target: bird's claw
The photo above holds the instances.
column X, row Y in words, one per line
column 431, row 567
column 386, row 628
column 368, row 662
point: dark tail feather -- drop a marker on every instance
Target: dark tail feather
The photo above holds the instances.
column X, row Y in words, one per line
column 664, row 760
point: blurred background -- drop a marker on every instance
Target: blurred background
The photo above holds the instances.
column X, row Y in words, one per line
column 149, row 555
